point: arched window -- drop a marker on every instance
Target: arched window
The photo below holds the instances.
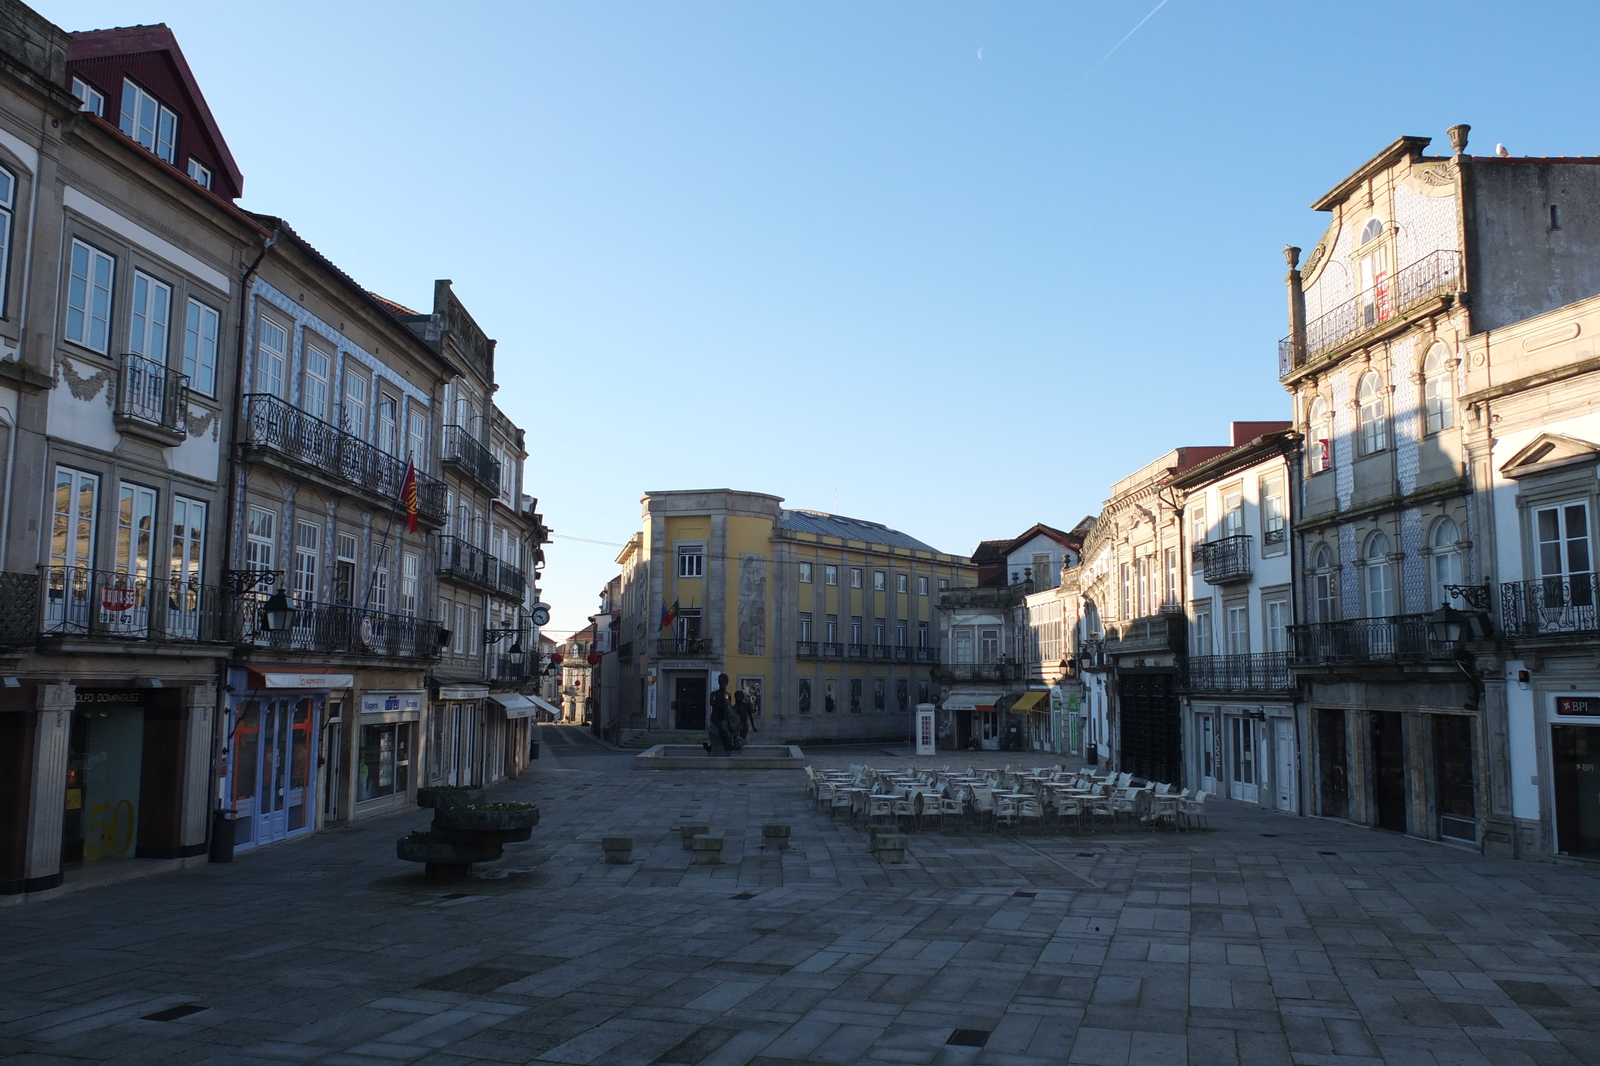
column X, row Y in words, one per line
column 1379, row 577
column 1324, row 585
column 1445, row 562
column 1438, row 398
column 1371, row 232
column 1374, row 414
column 1321, row 436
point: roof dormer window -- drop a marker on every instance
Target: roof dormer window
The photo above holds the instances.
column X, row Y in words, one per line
column 89, row 98
column 149, row 121
column 199, row 172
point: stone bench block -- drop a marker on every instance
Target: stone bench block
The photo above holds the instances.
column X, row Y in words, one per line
column 689, row 832
column 707, row 849
column 775, row 836
column 618, row 850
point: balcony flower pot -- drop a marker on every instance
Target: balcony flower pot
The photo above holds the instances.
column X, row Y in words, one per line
column 440, row 796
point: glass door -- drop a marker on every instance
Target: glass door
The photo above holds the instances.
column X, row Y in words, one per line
column 273, row 752
column 1208, row 753
column 188, row 550
column 1284, row 778
column 1242, row 783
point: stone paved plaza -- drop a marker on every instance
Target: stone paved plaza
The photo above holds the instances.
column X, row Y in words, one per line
column 1265, row 940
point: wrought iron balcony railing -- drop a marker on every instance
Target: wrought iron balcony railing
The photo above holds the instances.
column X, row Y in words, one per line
column 116, row 605
column 859, row 651
column 883, row 651
column 462, row 449
column 507, row 578
column 1225, row 561
column 152, row 396
column 337, row 629
column 807, row 649
column 503, row 670
column 1261, row 672
column 830, row 650
column 1433, row 275
column 309, row 442
column 997, row 672
column 927, row 655
column 1401, row 638
column 467, row 562
column 1551, row 606
column 684, row 647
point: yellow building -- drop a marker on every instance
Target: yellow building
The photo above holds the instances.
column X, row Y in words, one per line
column 828, row 624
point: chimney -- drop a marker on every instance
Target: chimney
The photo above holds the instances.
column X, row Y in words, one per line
column 1296, row 354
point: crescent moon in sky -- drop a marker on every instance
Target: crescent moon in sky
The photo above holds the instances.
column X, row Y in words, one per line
column 980, row 52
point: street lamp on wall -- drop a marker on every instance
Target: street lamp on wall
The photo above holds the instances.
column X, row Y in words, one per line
column 278, row 612
column 1446, row 626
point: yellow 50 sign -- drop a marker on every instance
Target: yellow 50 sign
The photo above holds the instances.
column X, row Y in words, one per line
column 110, row 831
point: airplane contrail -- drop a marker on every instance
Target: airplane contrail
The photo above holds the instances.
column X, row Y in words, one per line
column 1119, row 44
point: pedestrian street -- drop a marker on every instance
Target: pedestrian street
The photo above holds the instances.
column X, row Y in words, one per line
column 1266, row 939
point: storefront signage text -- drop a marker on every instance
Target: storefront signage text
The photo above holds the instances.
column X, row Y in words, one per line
column 1582, row 706
column 109, row 697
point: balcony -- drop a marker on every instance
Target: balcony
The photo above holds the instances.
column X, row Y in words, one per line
column 1167, row 631
column 1225, row 561
column 462, row 450
column 807, row 649
column 831, row 650
column 684, row 648
column 1550, row 607
column 507, row 579
column 502, row 670
column 110, row 605
column 151, row 401
column 1402, row 638
column 985, row 596
column 928, row 655
column 1265, row 672
column 996, row 673
column 1390, row 300
column 343, row 459
column 337, row 629
column 858, row 651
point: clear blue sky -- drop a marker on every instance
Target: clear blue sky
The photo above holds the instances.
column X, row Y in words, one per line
column 825, row 250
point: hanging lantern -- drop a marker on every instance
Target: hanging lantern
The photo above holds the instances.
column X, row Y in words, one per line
column 593, row 659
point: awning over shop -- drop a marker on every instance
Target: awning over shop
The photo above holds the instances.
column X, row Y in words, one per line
column 548, row 708
column 515, row 704
column 1027, row 701
column 463, row 692
column 293, row 678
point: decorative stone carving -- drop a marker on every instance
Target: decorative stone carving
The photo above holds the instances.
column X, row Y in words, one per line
column 198, row 421
column 1314, row 258
column 1291, row 255
column 1458, row 137
column 1437, row 175
column 82, row 388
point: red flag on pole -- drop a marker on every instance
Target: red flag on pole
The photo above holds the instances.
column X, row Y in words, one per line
column 408, row 496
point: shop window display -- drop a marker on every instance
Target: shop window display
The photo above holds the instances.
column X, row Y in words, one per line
column 385, row 766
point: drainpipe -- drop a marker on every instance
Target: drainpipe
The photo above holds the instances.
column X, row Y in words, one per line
column 235, row 489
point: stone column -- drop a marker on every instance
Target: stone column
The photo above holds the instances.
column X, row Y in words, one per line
column 47, row 802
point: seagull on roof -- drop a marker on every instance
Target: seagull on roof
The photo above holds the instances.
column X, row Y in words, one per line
column 1500, row 150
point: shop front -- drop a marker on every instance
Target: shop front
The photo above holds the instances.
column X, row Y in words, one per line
column 968, row 720
column 520, row 712
column 272, row 750
column 385, row 746
column 458, row 738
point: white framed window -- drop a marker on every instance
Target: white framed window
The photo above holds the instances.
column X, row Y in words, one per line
column 260, row 551
column 1198, row 529
column 1238, row 629
column 200, row 173
column 89, row 98
column 901, row 633
column 855, row 577
column 830, row 629
column 1379, row 577
column 1233, row 513
column 149, row 317
column 8, row 203
column 1201, row 635
column 315, row 382
column 922, row 586
column 353, row 408
column 1274, row 517
column 1563, row 548
column 1126, row 599
column 1445, row 565
column 388, row 424
column 307, row 545
column 988, row 645
column 1374, row 414
column 856, row 635
column 272, row 356
column 1276, row 621
column 136, row 529
column 89, row 278
column 1324, row 585
column 77, row 497
column 1320, row 444
column 1438, row 399
column 474, row 630
column 149, row 121
column 379, row 593
column 830, row 574
column 901, row 582
column 691, row 560
column 417, row 437
column 924, row 636
column 458, row 641
column 201, row 326
column 880, row 581
column 880, row 632
column 1171, row 592
column 805, row 573
column 805, row 627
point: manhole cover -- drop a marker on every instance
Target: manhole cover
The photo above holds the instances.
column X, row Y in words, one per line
column 172, row 1014
column 969, row 1037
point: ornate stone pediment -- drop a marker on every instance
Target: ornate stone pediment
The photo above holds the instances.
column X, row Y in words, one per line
column 1549, row 452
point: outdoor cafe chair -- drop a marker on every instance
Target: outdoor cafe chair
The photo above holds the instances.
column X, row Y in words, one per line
column 1100, row 808
column 983, row 805
column 1030, row 808
column 906, row 806
column 953, row 807
column 1006, row 810
column 880, row 808
column 1070, row 808
column 1191, row 811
